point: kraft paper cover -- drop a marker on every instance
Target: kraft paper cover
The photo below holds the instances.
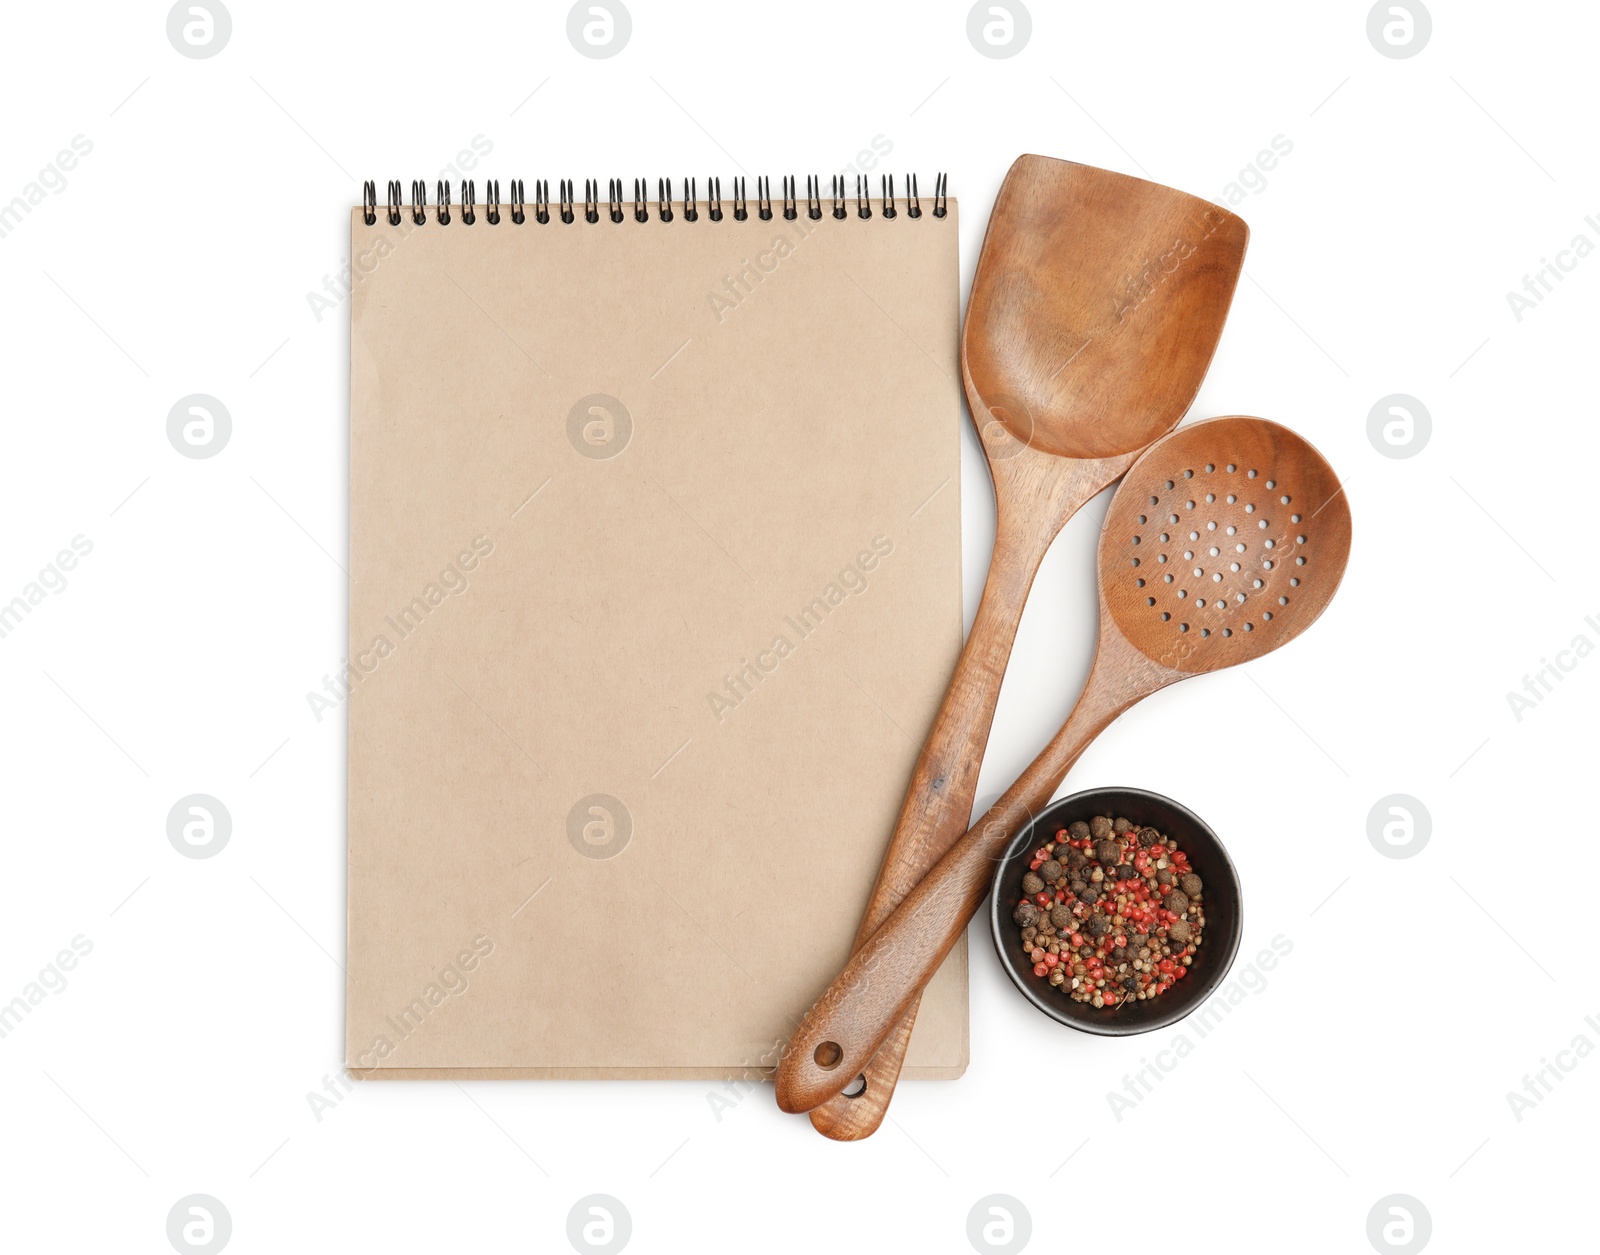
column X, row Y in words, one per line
column 655, row 558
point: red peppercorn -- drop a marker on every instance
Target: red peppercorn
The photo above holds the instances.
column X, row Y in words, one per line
column 1128, row 898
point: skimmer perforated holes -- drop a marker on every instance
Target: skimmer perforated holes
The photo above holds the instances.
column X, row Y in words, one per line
column 1233, row 550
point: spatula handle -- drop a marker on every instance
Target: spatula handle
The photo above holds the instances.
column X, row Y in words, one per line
column 885, row 977
column 938, row 801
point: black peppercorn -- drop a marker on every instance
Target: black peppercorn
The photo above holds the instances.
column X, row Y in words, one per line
column 1095, row 876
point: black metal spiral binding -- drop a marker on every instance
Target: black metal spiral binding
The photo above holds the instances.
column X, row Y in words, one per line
column 664, row 212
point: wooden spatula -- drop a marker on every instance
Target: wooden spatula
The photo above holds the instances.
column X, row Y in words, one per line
column 1226, row 540
column 1097, row 305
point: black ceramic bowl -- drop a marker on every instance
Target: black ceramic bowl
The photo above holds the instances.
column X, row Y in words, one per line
column 1224, row 913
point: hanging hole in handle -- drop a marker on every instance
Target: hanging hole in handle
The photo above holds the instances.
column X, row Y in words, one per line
column 856, row 1087
column 828, row 1055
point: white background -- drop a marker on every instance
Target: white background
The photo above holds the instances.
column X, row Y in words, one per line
column 1376, row 1060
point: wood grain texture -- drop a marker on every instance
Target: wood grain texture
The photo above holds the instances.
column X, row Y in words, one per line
column 1096, row 308
column 1269, row 578
column 1041, row 493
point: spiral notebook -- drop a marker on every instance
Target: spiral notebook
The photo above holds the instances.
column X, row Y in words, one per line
column 655, row 589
